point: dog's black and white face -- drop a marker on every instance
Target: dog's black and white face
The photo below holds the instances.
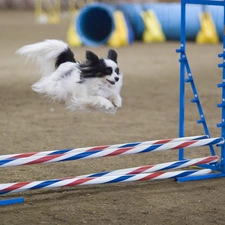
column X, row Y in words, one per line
column 106, row 69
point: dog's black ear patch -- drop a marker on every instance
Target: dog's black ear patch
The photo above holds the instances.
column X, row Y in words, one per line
column 112, row 55
column 66, row 56
column 91, row 57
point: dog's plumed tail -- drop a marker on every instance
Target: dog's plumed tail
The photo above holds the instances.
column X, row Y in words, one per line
column 49, row 54
column 57, row 63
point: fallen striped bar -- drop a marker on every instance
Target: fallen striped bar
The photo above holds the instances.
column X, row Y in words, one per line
column 77, row 154
column 92, row 180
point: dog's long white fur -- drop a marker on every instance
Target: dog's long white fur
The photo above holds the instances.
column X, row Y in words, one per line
column 92, row 94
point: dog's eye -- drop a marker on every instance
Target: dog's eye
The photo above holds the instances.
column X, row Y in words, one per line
column 117, row 70
column 108, row 71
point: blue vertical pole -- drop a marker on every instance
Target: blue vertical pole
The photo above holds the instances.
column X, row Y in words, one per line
column 221, row 166
column 223, row 99
column 182, row 75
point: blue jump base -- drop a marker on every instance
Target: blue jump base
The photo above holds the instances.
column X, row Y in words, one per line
column 11, row 201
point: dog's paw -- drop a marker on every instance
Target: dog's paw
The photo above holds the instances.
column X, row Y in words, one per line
column 116, row 101
column 109, row 107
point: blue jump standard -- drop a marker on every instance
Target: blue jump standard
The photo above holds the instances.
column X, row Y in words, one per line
column 219, row 168
column 11, row 201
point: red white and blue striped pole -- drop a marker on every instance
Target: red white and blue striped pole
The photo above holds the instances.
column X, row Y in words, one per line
column 103, row 151
column 94, row 179
column 162, row 166
column 133, row 144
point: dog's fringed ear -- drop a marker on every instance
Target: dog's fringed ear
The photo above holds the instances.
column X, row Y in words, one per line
column 91, row 57
column 112, row 55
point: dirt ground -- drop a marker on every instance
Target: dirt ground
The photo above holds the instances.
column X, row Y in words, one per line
column 150, row 95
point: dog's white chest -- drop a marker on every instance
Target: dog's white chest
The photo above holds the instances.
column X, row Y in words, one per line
column 101, row 90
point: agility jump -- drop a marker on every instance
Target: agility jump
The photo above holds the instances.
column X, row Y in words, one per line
column 209, row 167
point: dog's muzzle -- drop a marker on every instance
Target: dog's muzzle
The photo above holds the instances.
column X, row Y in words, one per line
column 111, row 82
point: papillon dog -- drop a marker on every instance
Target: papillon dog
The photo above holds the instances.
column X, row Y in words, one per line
column 92, row 85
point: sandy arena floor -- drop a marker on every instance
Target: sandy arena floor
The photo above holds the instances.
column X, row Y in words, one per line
column 150, row 94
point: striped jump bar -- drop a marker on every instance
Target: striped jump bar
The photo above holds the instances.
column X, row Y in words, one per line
column 133, row 144
column 122, row 174
column 92, row 180
column 104, row 151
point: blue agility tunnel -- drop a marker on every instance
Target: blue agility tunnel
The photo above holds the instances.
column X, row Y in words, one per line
column 218, row 16
column 133, row 13
column 169, row 15
column 95, row 24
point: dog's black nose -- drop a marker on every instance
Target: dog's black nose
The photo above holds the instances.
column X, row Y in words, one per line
column 117, row 78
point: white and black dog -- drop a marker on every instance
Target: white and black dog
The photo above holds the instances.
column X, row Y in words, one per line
column 92, row 85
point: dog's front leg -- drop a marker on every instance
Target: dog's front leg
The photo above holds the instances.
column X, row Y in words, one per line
column 92, row 103
column 102, row 104
column 116, row 100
